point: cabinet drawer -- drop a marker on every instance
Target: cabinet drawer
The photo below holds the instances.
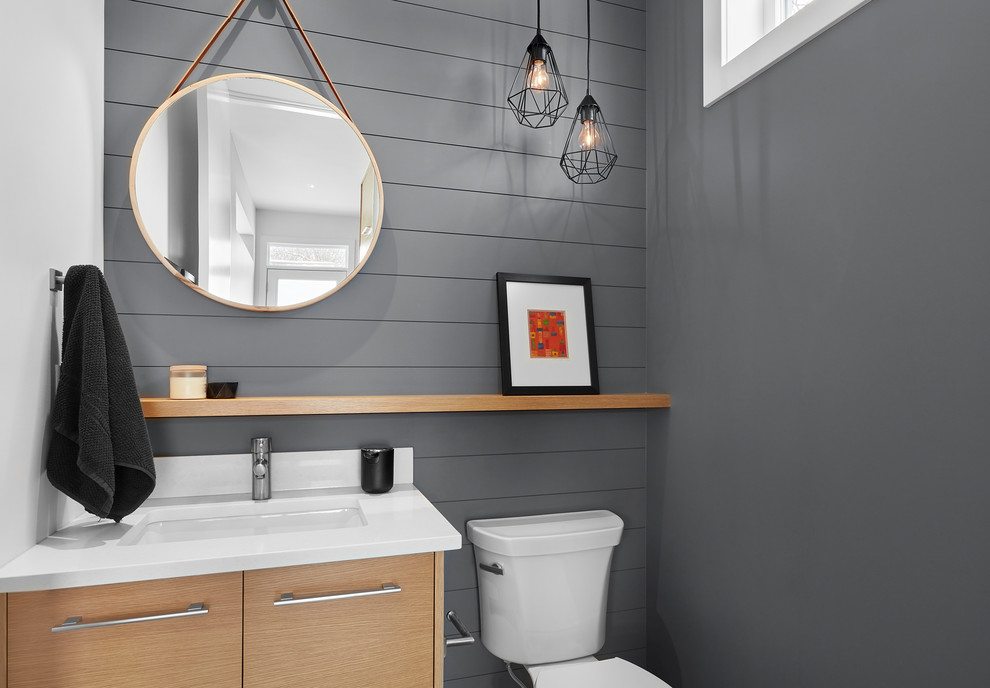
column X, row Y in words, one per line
column 329, row 639
column 185, row 650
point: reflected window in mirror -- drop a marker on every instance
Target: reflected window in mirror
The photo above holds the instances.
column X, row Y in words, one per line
column 300, row 272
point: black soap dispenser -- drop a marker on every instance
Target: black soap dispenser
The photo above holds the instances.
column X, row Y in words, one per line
column 377, row 469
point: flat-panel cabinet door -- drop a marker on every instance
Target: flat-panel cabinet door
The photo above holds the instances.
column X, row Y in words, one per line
column 349, row 624
column 106, row 647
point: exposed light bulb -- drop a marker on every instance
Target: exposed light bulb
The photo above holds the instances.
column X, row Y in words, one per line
column 588, row 135
column 538, row 79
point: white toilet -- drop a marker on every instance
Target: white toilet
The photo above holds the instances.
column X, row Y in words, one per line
column 542, row 588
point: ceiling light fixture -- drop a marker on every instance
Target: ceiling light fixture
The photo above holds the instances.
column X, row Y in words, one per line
column 537, row 96
column 588, row 155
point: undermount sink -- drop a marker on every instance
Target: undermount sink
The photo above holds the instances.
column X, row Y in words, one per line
column 217, row 521
column 201, row 520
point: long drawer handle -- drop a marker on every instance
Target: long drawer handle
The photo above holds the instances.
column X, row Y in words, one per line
column 75, row 623
column 289, row 598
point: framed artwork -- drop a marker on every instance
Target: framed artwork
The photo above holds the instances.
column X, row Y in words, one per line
column 546, row 330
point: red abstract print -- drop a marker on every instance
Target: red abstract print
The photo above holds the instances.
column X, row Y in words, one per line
column 547, row 334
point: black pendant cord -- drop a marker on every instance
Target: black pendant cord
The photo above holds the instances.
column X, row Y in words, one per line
column 587, row 90
column 537, row 16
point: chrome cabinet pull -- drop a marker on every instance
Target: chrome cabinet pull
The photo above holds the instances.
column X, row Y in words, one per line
column 464, row 636
column 75, row 623
column 290, row 598
column 495, row 568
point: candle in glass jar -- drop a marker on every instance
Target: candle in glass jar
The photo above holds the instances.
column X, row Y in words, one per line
column 187, row 382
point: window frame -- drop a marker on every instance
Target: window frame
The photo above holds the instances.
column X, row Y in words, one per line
column 722, row 79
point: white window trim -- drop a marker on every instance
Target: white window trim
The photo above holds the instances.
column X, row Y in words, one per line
column 720, row 80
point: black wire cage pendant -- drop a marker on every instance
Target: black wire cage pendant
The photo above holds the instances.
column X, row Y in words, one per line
column 589, row 154
column 537, row 96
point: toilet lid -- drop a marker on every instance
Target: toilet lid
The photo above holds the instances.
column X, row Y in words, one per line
column 605, row 674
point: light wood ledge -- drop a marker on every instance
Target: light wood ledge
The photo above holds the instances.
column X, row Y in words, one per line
column 441, row 403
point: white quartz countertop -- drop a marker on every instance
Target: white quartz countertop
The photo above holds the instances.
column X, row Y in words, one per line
column 91, row 551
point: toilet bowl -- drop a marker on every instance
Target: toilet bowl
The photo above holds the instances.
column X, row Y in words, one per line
column 542, row 589
column 591, row 673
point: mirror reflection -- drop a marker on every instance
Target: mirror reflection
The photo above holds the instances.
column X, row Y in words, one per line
column 256, row 191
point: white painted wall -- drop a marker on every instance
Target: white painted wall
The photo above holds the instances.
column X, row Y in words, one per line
column 51, row 188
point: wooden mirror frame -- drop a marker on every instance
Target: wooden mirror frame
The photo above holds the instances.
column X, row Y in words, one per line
column 195, row 287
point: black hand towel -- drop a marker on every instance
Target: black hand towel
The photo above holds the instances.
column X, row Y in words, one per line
column 99, row 454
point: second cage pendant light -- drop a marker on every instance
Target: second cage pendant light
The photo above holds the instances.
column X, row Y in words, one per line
column 537, row 95
column 588, row 155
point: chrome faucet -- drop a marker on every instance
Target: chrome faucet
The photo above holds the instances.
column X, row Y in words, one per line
column 261, row 468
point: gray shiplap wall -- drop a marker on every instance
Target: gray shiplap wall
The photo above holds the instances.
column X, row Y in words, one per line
column 468, row 192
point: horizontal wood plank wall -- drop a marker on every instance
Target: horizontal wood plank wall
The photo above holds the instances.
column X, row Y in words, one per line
column 468, row 193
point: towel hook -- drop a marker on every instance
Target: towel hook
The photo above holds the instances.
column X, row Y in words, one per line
column 55, row 279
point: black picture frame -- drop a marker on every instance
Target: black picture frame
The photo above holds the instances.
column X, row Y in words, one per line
column 524, row 375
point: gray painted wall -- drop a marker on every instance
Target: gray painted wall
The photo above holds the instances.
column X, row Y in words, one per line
column 818, row 308
column 468, row 192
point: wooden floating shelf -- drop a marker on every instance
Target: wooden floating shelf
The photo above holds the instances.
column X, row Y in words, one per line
column 429, row 403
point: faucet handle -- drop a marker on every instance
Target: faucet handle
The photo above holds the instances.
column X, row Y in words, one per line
column 261, row 445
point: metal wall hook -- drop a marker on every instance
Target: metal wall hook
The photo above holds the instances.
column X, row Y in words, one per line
column 55, row 279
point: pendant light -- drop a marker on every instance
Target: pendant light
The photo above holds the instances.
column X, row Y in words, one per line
column 588, row 155
column 537, row 95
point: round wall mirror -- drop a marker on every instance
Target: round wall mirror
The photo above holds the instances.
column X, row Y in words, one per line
column 256, row 192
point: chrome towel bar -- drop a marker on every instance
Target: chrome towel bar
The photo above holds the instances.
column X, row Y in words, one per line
column 464, row 636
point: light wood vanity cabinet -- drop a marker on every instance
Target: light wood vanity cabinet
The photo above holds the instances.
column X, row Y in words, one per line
column 383, row 637
column 193, row 650
column 326, row 636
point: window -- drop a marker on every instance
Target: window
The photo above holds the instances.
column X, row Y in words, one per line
column 789, row 7
column 300, row 272
column 744, row 37
column 327, row 257
column 287, row 287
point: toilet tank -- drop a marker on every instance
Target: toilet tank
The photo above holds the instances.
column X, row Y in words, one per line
column 548, row 603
